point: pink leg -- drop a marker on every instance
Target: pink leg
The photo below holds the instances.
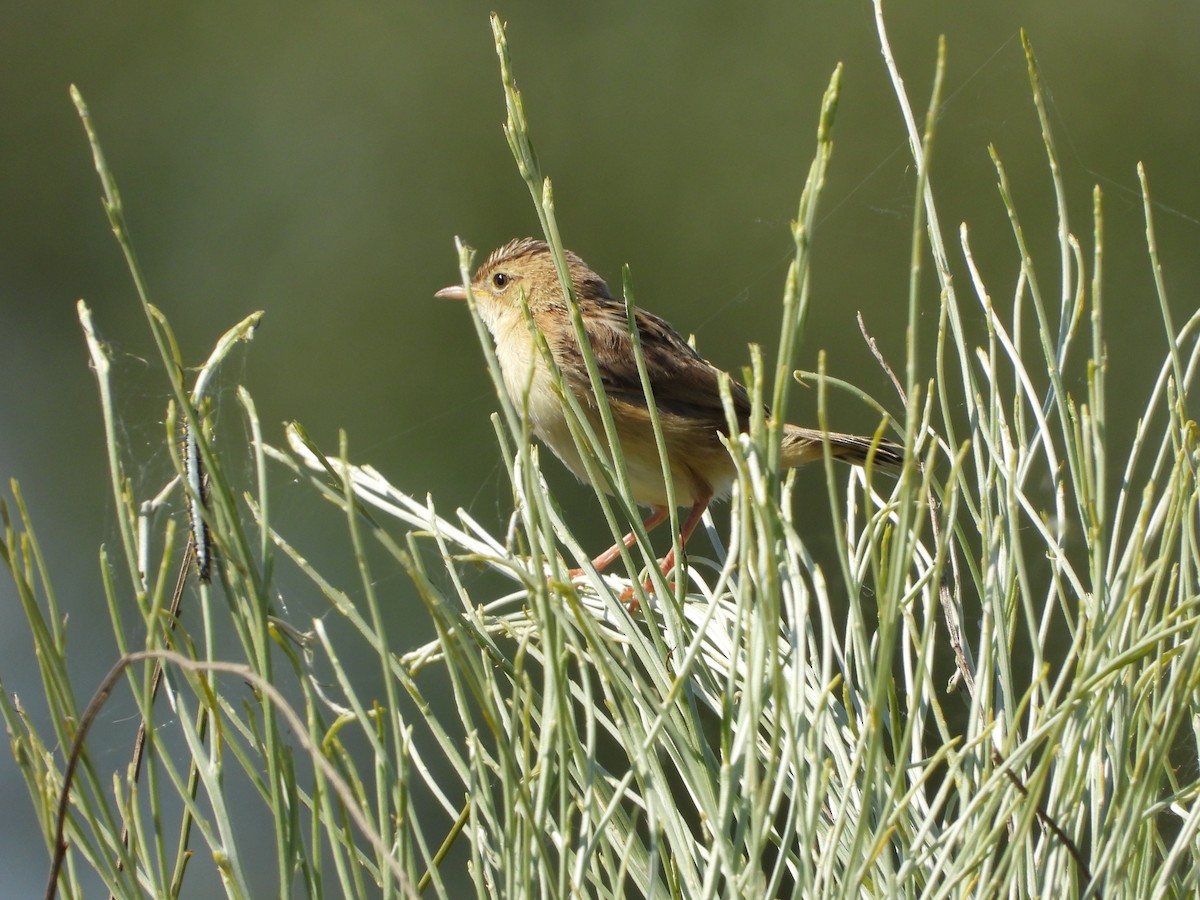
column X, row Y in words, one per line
column 685, row 533
column 668, row 563
column 657, row 516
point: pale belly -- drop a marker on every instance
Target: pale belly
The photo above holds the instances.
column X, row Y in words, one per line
column 530, row 386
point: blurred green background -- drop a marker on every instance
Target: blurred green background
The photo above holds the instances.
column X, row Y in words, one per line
column 316, row 161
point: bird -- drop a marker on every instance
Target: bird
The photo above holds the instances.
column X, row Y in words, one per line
column 684, row 385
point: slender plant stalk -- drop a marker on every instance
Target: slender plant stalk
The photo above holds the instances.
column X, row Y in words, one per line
column 993, row 694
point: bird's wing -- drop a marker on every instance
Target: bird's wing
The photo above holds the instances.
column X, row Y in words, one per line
column 684, row 384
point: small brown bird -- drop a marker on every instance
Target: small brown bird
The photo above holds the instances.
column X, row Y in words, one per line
column 683, row 383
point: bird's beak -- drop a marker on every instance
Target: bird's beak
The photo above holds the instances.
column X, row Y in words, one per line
column 454, row 292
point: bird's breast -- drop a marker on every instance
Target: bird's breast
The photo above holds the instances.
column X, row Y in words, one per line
column 531, row 388
column 700, row 466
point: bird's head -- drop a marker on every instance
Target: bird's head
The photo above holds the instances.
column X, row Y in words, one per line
column 523, row 271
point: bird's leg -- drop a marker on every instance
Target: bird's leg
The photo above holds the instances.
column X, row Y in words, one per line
column 668, row 563
column 657, row 516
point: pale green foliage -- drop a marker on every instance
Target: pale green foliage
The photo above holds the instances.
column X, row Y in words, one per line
column 762, row 729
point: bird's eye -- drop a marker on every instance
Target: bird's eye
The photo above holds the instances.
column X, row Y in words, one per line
column 500, row 280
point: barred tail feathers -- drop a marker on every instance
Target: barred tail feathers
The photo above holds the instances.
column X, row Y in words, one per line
column 804, row 445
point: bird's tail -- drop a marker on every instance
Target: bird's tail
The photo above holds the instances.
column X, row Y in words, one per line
column 803, row 445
